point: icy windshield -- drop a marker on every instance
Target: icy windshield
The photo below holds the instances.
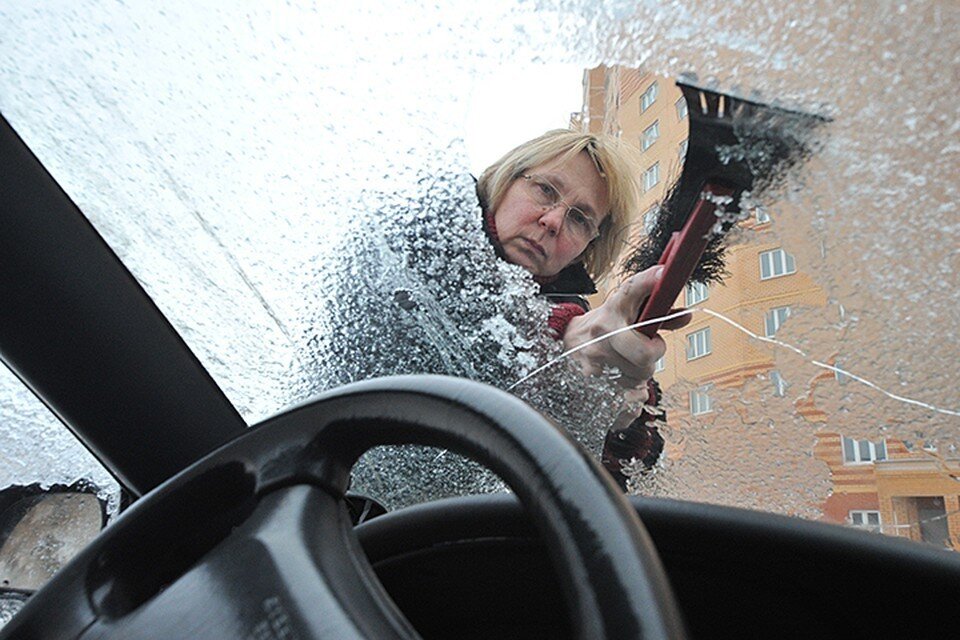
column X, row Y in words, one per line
column 295, row 187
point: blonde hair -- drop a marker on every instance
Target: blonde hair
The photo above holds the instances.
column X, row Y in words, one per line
column 616, row 163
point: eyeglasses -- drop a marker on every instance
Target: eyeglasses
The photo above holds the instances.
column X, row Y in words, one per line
column 581, row 225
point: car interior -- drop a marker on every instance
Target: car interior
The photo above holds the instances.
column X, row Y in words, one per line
column 235, row 530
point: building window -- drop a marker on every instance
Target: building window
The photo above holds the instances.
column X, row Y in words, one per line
column 650, row 219
column 700, row 401
column 660, row 365
column 779, row 384
column 648, row 98
column 863, row 451
column 869, row 520
column 650, row 135
column 932, row 514
column 681, row 106
column 651, row 176
column 762, row 215
column 774, row 319
column 776, row 263
column 698, row 344
column 840, row 376
column 682, row 150
column 695, row 292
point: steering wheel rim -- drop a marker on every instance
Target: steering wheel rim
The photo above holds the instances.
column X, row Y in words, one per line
column 277, row 551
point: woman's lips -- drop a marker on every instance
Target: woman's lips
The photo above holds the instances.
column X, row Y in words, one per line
column 539, row 250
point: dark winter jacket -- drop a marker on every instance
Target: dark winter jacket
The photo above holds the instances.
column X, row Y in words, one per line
column 640, row 439
column 566, row 289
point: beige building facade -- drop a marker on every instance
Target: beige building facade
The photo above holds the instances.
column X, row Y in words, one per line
column 906, row 491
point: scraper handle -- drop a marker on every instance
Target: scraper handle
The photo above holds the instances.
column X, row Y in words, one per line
column 680, row 257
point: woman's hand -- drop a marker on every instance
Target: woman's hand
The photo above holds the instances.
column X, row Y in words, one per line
column 630, row 353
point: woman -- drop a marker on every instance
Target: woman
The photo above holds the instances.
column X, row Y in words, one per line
column 414, row 291
column 559, row 206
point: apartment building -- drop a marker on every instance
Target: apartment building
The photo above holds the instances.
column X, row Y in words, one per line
column 885, row 485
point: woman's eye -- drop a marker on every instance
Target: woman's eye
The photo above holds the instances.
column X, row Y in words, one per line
column 549, row 192
column 579, row 218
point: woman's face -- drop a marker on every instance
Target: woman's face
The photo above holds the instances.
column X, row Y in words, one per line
column 538, row 239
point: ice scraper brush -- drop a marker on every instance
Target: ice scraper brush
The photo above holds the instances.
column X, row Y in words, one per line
column 735, row 146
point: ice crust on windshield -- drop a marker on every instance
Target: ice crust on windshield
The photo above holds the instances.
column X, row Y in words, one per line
column 417, row 288
column 231, row 153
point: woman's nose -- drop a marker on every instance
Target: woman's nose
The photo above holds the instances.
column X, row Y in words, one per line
column 552, row 219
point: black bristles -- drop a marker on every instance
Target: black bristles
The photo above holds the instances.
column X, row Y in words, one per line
column 734, row 143
column 710, row 268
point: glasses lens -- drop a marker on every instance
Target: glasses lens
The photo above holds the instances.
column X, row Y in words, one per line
column 581, row 225
column 544, row 193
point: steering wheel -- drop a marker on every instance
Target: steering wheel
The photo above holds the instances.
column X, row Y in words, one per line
column 254, row 540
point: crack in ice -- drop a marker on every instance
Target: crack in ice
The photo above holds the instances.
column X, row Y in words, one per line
column 829, row 367
column 586, row 344
column 736, row 325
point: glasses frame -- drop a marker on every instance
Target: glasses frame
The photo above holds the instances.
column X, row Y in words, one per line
column 531, row 178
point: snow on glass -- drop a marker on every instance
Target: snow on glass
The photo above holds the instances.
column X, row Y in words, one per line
column 297, row 199
column 417, row 288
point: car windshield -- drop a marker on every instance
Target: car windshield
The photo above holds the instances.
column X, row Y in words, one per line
column 294, row 186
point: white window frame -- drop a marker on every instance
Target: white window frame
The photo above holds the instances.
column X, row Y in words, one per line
column 776, row 263
column 681, row 106
column 682, row 149
column 651, row 177
column 774, row 319
column 650, row 219
column 660, row 364
column 650, row 135
column 699, row 344
column 863, row 515
column 840, row 377
column 863, row 451
column 762, row 216
column 700, row 402
column 695, row 292
column 779, row 384
column 649, row 97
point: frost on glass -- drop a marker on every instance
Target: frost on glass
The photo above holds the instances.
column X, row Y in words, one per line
column 415, row 287
column 265, row 171
column 10, row 604
column 37, row 449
